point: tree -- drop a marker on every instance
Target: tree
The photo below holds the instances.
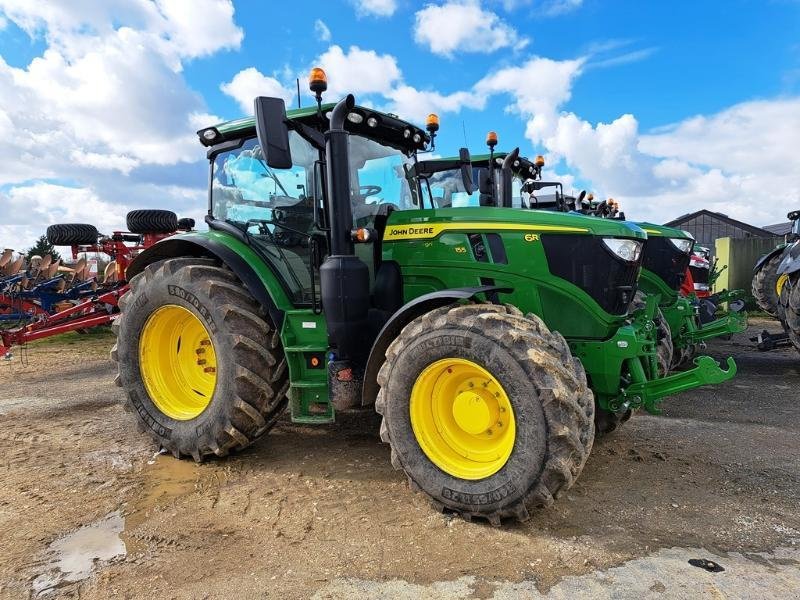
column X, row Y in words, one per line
column 42, row 247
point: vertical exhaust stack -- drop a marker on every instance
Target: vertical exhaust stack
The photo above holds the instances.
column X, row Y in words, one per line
column 506, row 177
column 344, row 278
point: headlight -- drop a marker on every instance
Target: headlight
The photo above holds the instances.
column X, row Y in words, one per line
column 355, row 117
column 628, row 250
column 682, row 244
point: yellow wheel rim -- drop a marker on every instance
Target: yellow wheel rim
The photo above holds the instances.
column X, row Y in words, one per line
column 177, row 362
column 462, row 418
column 780, row 283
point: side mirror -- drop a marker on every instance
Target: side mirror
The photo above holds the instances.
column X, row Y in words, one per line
column 273, row 133
column 466, row 169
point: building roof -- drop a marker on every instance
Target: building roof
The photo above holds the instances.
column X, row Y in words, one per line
column 779, row 228
column 752, row 229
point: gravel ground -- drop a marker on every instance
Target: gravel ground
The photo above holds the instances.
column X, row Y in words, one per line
column 88, row 510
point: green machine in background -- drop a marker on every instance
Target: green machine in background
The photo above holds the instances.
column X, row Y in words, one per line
column 325, row 283
column 689, row 321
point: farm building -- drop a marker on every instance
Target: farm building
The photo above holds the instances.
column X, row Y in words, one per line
column 707, row 226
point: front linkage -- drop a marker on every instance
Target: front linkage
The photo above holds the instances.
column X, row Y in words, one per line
column 634, row 349
column 697, row 322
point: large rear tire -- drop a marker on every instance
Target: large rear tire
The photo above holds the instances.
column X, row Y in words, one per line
column 152, row 220
column 764, row 286
column 72, row 234
column 526, row 386
column 201, row 365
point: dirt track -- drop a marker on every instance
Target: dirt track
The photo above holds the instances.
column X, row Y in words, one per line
column 320, row 510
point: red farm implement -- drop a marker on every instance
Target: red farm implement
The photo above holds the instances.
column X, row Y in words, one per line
column 44, row 298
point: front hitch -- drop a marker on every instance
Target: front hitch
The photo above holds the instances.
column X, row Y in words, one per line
column 732, row 322
column 648, row 394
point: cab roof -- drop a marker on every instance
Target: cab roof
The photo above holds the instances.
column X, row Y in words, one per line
column 388, row 128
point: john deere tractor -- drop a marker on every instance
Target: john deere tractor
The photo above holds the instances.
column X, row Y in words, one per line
column 325, row 283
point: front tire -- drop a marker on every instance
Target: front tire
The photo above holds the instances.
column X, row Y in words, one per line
column 202, row 367
column 764, row 286
column 516, row 364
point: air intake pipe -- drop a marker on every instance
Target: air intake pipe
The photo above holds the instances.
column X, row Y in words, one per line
column 344, row 278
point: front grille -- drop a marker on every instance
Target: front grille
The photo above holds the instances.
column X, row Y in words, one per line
column 699, row 274
column 666, row 261
column 585, row 261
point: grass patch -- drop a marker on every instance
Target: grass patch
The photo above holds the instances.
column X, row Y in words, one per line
column 95, row 334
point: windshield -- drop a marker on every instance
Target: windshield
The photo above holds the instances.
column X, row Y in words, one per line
column 377, row 180
column 446, row 189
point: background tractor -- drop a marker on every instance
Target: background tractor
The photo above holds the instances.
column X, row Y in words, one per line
column 767, row 282
column 326, row 283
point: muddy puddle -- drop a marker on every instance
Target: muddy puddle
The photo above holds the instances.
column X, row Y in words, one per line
column 166, row 480
column 76, row 555
column 73, row 557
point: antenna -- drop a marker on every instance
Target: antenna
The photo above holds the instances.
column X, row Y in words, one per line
column 298, row 93
column 464, row 129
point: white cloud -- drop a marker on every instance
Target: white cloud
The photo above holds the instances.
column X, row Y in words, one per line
column 724, row 162
column 413, row 104
column 200, row 27
column 105, row 100
column 538, row 86
column 546, row 8
column 375, row 8
column 322, row 30
column 95, row 160
column 358, row 71
column 249, row 83
column 463, row 26
column 552, row 8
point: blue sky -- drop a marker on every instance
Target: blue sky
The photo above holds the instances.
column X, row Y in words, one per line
column 667, row 106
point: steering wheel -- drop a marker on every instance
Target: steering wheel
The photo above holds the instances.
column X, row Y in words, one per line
column 369, row 190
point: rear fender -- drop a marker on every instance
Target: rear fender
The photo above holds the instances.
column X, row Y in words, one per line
column 203, row 246
column 407, row 313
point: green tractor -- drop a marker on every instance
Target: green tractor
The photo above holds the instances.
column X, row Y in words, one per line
column 683, row 323
column 485, row 337
column 767, row 283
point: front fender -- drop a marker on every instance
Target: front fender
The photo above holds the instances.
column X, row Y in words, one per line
column 407, row 313
column 240, row 259
column 791, row 260
column 767, row 256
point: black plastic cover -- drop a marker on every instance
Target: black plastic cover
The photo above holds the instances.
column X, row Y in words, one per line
column 666, row 261
column 585, row 261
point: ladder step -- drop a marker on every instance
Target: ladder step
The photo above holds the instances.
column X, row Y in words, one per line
column 306, row 348
column 310, row 384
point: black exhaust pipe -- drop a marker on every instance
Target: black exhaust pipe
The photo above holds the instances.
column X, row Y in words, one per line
column 507, row 176
column 344, row 278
